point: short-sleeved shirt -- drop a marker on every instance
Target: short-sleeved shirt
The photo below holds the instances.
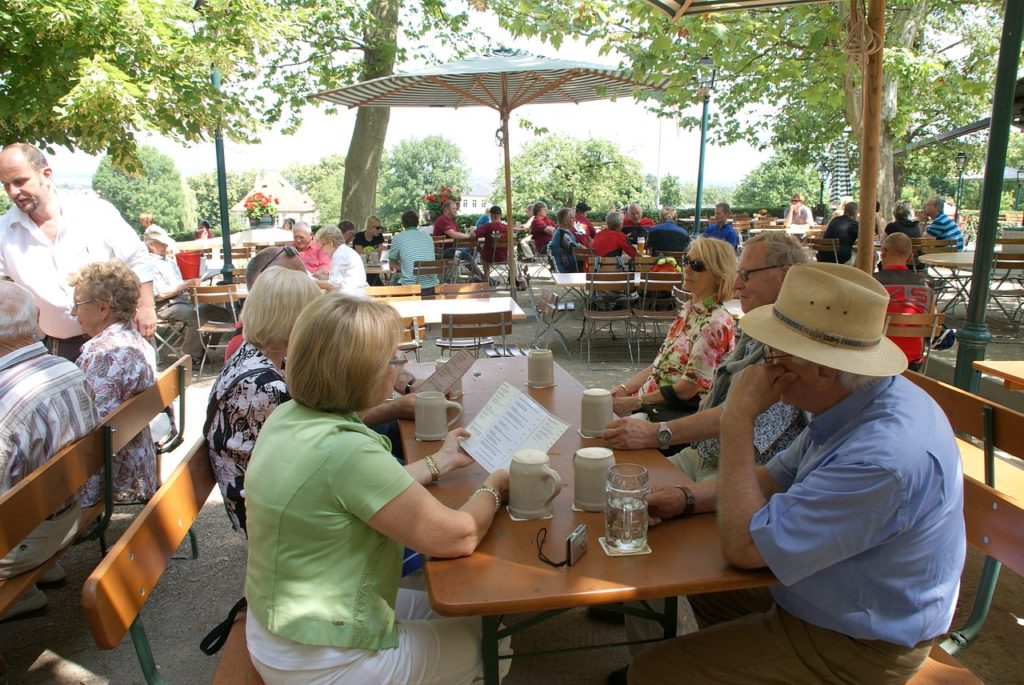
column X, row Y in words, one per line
column 538, row 231
column 867, row 536
column 724, row 232
column 844, row 229
column 348, row 274
column 409, row 247
column 610, row 243
column 495, row 235
column 910, row 292
column 944, row 228
column 89, row 230
column 700, row 338
column 314, row 258
column 360, row 241
column 318, row 573
column 443, row 224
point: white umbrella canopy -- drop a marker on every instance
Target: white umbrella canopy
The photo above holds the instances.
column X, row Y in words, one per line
column 502, row 80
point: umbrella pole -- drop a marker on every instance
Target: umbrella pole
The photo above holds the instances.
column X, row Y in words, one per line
column 513, row 276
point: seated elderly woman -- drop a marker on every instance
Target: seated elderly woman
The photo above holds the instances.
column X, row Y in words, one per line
column 118, row 364
column 700, row 337
column 347, row 274
column 329, row 512
column 251, row 385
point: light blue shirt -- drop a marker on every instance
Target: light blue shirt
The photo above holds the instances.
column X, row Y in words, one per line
column 723, row 232
column 868, row 536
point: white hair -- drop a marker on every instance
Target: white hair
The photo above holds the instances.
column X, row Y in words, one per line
column 19, row 317
column 303, row 225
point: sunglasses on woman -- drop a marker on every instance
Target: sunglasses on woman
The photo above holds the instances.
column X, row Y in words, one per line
column 695, row 264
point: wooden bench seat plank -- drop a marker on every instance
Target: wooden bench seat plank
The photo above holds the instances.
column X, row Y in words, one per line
column 1009, row 476
column 119, row 587
column 132, row 416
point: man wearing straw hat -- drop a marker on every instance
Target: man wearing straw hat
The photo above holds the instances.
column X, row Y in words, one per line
column 861, row 519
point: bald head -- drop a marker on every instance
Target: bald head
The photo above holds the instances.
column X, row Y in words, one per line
column 896, row 249
column 19, row 316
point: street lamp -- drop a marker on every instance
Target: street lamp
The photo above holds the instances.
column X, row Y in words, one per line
column 227, row 270
column 822, row 173
column 707, row 74
column 961, row 164
column 1020, row 189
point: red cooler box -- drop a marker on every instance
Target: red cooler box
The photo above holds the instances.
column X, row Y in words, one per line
column 188, row 264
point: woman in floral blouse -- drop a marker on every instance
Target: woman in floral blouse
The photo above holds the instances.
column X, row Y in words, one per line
column 118, row 364
column 700, row 338
column 251, row 385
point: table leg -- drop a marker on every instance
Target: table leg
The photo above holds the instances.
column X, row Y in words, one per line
column 669, row 618
column 489, row 649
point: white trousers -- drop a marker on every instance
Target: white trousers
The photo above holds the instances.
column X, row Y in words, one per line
column 42, row 543
column 432, row 650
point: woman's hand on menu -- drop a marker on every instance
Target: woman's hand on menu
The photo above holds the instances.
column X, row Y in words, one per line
column 451, row 456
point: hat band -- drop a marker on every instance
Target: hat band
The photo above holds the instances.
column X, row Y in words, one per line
column 822, row 336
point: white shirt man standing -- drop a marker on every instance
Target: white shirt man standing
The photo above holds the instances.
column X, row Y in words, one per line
column 46, row 235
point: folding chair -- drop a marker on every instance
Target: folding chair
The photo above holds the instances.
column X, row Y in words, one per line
column 550, row 310
column 438, row 268
column 474, row 331
column 414, row 330
column 924, row 326
column 169, row 335
column 394, row 292
column 607, row 301
column 225, row 296
column 643, row 263
column 823, row 245
column 462, row 291
column 1008, row 284
column 657, row 304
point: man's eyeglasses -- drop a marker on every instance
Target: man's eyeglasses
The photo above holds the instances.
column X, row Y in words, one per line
column 770, row 355
column 744, row 274
column 398, row 361
column 695, row 264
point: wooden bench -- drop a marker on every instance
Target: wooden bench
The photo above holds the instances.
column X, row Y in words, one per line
column 117, row 589
column 43, row 491
column 994, row 518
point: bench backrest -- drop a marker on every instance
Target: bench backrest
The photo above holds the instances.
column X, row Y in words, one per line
column 116, row 590
column 41, row 492
column 995, row 523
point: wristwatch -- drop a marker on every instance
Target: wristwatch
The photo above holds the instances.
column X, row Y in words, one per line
column 664, row 436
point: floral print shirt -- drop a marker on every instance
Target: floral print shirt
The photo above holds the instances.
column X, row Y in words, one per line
column 241, row 409
column 700, row 338
column 118, row 364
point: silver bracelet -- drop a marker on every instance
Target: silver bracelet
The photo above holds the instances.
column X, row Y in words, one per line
column 493, row 493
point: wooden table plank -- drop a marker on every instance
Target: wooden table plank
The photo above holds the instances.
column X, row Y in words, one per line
column 1010, row 372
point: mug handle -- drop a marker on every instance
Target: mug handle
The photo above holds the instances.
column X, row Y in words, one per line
column 458, row 413
column 556, row 484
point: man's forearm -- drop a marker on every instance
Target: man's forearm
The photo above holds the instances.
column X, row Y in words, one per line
column 382, row 413
column 739, row 495
column 700, row 426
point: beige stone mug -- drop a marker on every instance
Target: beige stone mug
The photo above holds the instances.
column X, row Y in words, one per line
column 590, row 467
column 432, row 415
column 532, row 485
column 595, row 412
column 540, row 369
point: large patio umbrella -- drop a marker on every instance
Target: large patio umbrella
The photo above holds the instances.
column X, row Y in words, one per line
column 840, row 184
column 502, row 80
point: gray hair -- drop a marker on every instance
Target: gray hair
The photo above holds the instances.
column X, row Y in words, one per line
column 902, row 211
column 19, row 316
column 613, row 220
column 850, row 381
column 780, row 248
column 303, row 225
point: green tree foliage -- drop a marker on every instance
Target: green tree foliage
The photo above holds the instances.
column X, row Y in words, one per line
column 412, row 168
column 773, row 182
column 204, row 186
column 322, row 181
column 784, row 79
column 563, row 171
column 158, row 189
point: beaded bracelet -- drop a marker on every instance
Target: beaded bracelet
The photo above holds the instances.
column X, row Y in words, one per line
column 493, row 493
column 435, row 472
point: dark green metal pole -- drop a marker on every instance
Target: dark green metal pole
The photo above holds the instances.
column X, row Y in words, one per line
column 700, row 168
column 974, row 336
column 228, row 270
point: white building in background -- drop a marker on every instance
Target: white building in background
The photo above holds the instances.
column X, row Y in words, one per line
column 478, row 199
column 294, row 204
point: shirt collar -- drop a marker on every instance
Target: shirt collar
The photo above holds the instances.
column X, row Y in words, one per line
column 22, row 354
column 825, row 425
column 898, row 267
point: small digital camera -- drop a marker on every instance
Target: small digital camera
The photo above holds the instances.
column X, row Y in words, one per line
column 576, row 544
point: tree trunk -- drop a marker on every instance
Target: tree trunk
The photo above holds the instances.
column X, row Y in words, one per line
column 362, row 163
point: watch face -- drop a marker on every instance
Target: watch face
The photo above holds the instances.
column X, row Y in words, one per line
column 664, row 437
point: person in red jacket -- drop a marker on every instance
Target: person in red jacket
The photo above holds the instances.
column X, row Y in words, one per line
column 542, row 227
column 636, row 224
column 585, row 230
column 612, row 242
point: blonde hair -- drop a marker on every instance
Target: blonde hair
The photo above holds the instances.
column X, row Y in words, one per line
column 331, row 235
column 373, row 221
column 275, row 301
column 338, row 355
column 668, row 213
column 114, row 283
column 720, row 259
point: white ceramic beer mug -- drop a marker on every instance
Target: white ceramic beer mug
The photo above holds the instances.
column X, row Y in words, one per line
column 540, row 367
column 532, row 485
column 595, row 412
column 590, row 467
column 432, row 415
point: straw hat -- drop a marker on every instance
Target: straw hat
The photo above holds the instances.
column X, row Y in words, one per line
column 833, row 315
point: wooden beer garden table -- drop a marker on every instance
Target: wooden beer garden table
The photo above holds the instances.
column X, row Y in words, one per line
column 506, row 576
column 1010, row 372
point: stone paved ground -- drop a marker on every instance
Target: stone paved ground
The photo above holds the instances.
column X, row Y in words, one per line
column 195, row 595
